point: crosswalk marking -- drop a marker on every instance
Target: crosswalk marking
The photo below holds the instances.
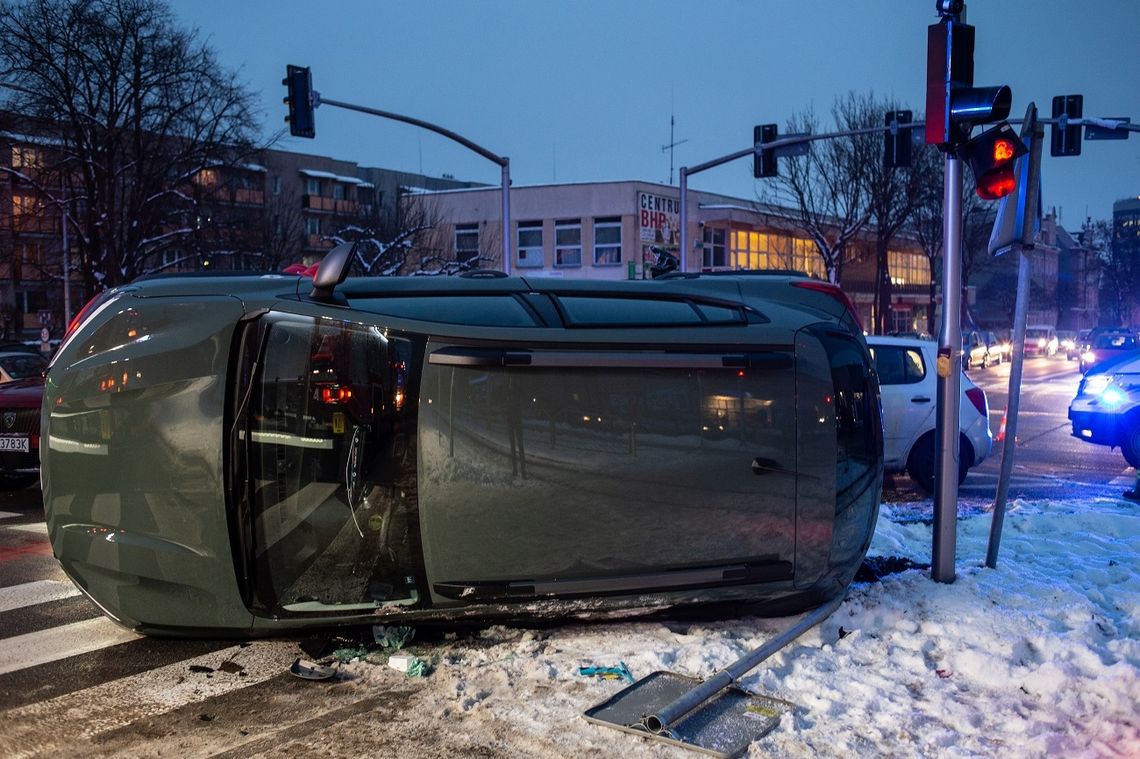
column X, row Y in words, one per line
column 32, row 593
column 28, row 729
column 61, row 642
column 36, row 528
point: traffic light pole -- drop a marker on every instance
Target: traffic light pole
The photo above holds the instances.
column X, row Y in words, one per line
column 1036, row 132
column 949, row 367
column 503, row 161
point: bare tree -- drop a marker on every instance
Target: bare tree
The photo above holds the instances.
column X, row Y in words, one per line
column 136, row 108
column 1119, row 259
column 893, row 193
column 826, row 188
column 926, row 221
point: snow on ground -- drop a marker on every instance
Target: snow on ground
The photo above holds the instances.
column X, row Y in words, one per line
column 1039, row 657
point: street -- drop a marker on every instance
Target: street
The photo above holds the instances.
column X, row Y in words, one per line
column 71, row 681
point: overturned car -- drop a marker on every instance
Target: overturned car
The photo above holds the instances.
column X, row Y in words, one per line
column 244, row 455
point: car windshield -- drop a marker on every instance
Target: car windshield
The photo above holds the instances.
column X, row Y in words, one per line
column 1116, row 342
column 19, row 367
column 1033, row 334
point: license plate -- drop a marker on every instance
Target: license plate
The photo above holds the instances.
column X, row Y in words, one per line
column 14, row 444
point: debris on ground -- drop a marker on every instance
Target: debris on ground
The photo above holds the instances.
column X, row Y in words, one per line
column 620, row 672
column 308, row 670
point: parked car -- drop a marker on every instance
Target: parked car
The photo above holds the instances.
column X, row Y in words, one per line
column 20, row 365
column 1041, row 341
column 1107, row 344
column 997, row 348
column 20, row 431
column 1106, row 409
column 908, row 387
column 289, row 453
column 1076, row 346
column 975, row 352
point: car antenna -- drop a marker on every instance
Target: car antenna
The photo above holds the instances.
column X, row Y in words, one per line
column 332, row 271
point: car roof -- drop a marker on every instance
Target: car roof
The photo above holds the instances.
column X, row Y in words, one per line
column 894, row 340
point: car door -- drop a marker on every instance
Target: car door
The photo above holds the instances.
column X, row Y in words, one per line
column 907, row 392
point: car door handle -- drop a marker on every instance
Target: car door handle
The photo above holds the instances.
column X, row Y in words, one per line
column 920, row 399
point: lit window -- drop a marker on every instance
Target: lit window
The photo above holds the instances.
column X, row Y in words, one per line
column 206, row 178
column 568, row 242
column 607, row 241
column 25, row 157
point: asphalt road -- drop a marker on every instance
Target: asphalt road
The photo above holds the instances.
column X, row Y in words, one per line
column 72, row 682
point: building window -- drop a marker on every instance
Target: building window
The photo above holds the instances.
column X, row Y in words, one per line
column 908, row 268
column 206, row 178
column 466, row 242
column 568, row 242
column 32, row 254
column 25, row 157
column 530, row 244
column 715, row 251
column 312, row 225
column 338, row 192
column 276, row 184
column 607, row 241
column 312, row 186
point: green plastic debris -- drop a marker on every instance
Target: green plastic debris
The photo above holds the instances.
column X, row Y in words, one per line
column 392, row 638
column 349, row 653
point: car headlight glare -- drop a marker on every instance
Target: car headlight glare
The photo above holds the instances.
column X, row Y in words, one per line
column 1088, row 357
column 1040, row 342
column 1112, row 396
column 1096, row 385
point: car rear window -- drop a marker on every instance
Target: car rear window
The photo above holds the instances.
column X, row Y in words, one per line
column 1122, row 342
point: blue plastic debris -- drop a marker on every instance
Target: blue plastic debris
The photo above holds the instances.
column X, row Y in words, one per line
column 620, row 672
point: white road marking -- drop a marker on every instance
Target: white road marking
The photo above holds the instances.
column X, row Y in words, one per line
column 8, row 514
column 37, row 528
column 32, row 593
column 29, row 730
column 43, row 646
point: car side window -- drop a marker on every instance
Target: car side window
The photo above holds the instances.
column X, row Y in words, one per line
column 898, row 365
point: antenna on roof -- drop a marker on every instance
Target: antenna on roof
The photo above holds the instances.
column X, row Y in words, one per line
column 332, row 271
column 672, row 143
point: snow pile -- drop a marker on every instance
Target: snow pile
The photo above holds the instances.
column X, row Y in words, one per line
column 1039, row 657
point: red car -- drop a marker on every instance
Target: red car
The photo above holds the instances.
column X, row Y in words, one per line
column 20, row 431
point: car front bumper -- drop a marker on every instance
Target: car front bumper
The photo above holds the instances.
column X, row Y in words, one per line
column 1095, row 425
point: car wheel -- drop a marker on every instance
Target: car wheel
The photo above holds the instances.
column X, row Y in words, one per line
column 1130, row 446
column 921, row 462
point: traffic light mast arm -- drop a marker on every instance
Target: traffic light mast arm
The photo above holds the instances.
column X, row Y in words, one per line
column 502, row 161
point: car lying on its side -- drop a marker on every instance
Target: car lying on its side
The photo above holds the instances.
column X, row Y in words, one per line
column 20, row 402
column 289, row 455
column 909, row 386
column 1106, row 409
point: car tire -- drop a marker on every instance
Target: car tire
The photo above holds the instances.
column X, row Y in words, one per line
column 1130, row 445
column 921, row 462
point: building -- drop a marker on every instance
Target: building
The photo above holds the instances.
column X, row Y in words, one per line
column 616, row 230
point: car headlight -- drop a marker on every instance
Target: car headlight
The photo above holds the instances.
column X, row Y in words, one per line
column 1069, row 345
column 1095, row 385
column 1040, row 342
column 1088, row 357
column 1112, row 396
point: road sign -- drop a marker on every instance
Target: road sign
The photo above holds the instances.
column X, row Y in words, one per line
column 1095, row 132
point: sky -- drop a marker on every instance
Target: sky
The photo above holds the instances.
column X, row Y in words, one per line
column 585, row 91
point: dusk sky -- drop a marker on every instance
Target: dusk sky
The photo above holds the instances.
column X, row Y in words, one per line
column 583, row 91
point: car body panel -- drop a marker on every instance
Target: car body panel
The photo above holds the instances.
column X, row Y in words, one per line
column 231, row 456
column 909, row 402
column 1106, row 408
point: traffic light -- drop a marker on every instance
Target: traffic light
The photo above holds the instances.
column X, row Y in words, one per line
column 953, row 104
column 764, row 161
column 1064, row 139
column 897, row 140
column 991, row 156
column 299, row 85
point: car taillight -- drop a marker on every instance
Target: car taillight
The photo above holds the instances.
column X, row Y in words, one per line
column 977, row 397
column 832, row 291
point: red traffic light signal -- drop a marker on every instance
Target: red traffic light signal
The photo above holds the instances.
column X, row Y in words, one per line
column 991, row 155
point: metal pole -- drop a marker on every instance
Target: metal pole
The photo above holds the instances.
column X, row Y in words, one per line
column 949, row 381
column 684, row 179
column 1020, row 317
column 66, row 259
column 506, row 215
